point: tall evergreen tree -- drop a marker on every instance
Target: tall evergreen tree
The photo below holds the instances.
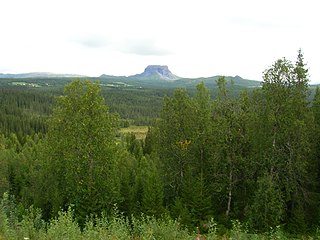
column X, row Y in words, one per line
column 152, row 187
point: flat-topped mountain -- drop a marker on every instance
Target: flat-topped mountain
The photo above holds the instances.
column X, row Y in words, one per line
column 156, row 72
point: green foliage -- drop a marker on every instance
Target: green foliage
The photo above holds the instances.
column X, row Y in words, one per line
column 5, row 157
column 196, row 200
column 63, row 227
column 289, row 144
column 238, row 231
column 134, row 146
column 229, row 159
column 176, row 126
column 23, row 112
column 252, row 157
column 152, row 194
column 316, row 106
column 7, row 215
column 137, row 107
column 267, row 208
column 81, row 146
column 277, row 233
column 151, row 228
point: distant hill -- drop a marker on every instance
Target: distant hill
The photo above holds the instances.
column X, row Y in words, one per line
column 40, row 75
column 154, row 76
column 105, row 76
column 210, row 82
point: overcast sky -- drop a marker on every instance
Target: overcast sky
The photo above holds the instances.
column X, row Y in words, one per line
column 195, row 38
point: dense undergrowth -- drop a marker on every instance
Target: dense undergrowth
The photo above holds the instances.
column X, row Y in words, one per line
column 17, row 223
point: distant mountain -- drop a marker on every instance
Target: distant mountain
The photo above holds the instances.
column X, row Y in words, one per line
column 105, row 76
column 210, row 82
column 40, row 75
column 158, row 76
column 156, row 72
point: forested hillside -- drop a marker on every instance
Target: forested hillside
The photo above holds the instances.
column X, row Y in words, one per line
column 213, row 163
column 25, row 111
column 25, row 108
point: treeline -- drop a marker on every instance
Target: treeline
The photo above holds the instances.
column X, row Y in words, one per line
column 253, row 158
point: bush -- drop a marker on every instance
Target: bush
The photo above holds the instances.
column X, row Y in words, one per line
column 151, row 228
column 63, row 227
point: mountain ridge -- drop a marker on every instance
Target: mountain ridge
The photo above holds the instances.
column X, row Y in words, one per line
column 153, row 75
column 40, row 75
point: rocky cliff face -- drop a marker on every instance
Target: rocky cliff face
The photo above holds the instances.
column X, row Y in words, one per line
column 157, row 71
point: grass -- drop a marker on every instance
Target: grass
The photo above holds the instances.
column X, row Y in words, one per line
column 139, row 131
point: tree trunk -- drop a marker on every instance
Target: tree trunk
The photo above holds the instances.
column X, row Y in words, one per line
column 230, row 194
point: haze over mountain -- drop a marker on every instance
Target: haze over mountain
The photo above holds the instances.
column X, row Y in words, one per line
column 152, row 76
column 40, row 75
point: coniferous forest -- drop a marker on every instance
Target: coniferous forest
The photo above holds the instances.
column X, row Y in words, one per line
column 213, row 165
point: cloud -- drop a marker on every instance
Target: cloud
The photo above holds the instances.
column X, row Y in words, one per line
column 92, row 41
column 124, row 44
column 261, row 23
column 5, row 70
column 144, row 47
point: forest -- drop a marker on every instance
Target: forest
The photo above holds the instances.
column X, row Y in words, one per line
column 213, row 165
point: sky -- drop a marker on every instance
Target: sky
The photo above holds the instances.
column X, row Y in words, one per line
column 195, row 38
